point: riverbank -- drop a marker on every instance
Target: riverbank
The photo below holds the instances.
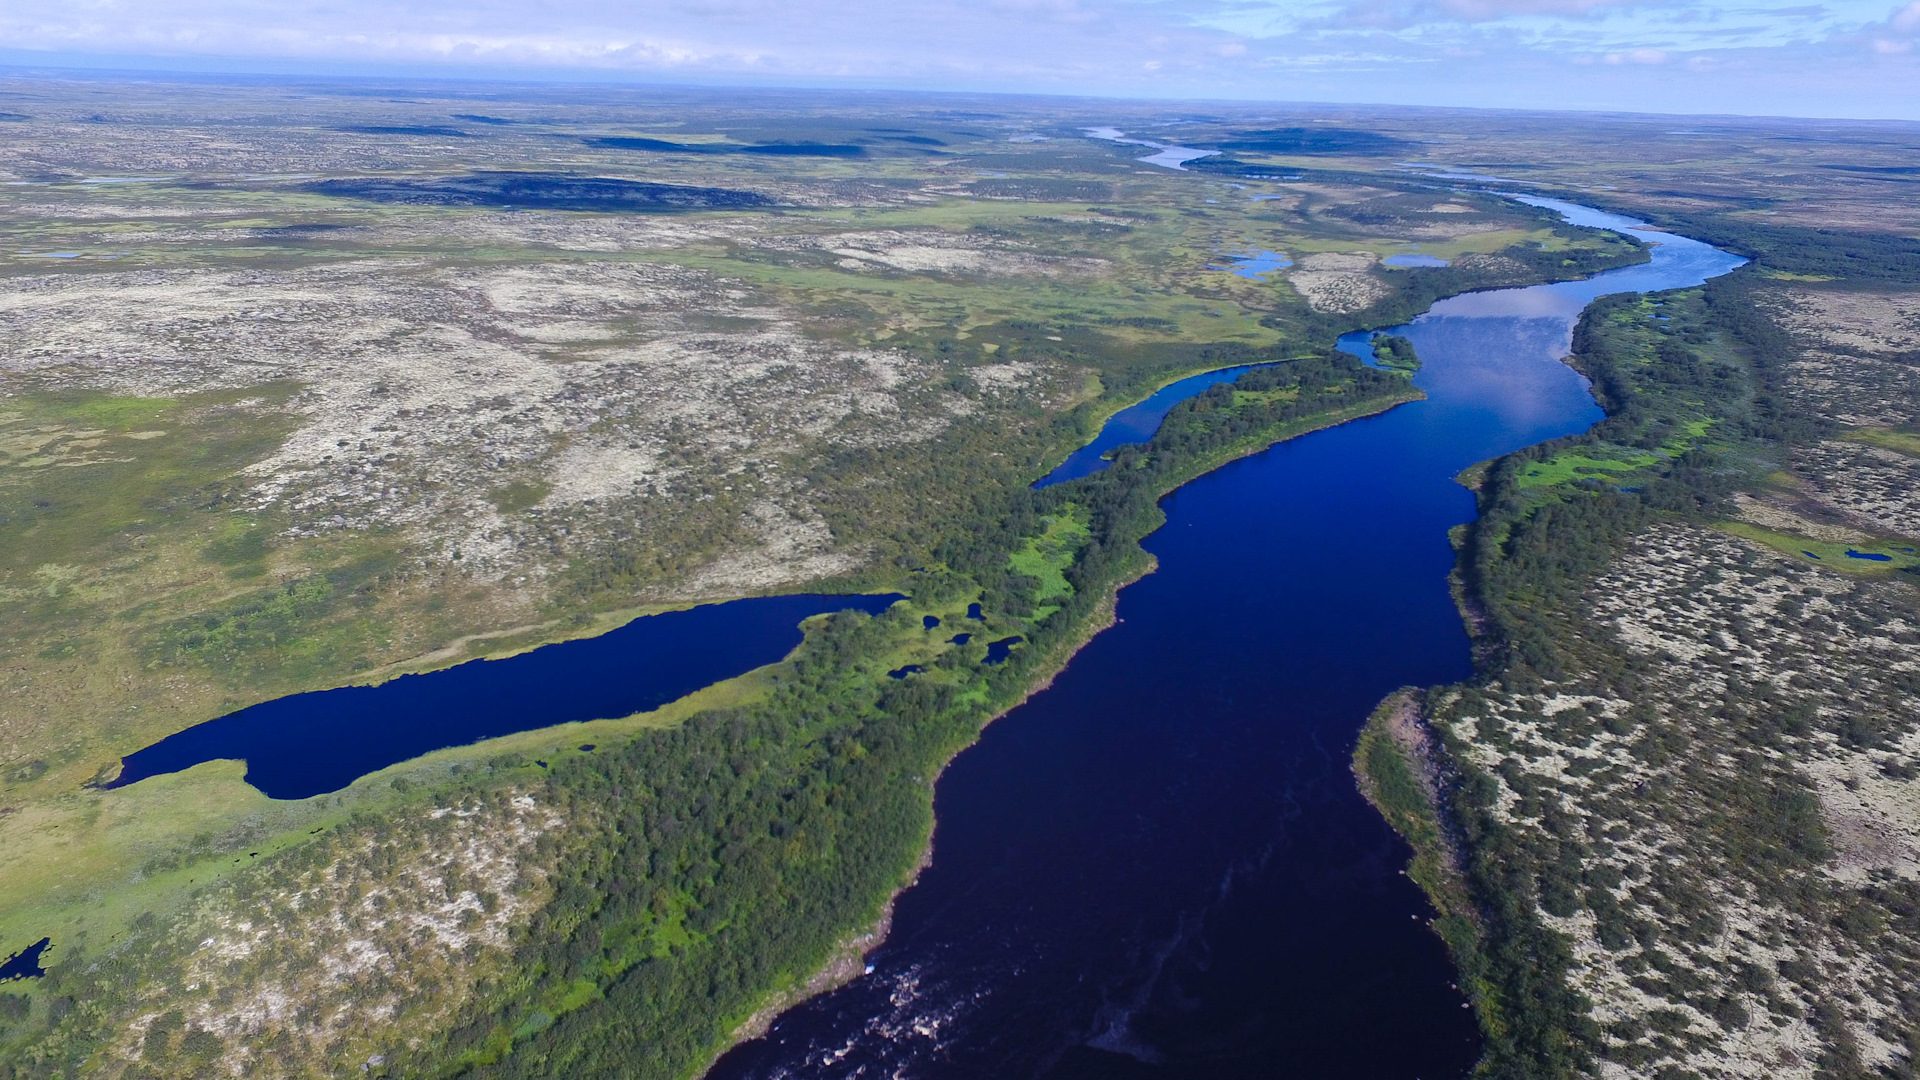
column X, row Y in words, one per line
column 1402, row 773
column 847, row 962
column 1522, row 791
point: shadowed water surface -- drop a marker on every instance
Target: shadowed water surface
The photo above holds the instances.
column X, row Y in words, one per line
column 1160, row 867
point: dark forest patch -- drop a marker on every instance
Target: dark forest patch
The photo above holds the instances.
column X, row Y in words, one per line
column 795, row 149
column 1314, row 141
column 550, row 191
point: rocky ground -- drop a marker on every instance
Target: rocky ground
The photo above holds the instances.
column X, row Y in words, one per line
column 1720, row 797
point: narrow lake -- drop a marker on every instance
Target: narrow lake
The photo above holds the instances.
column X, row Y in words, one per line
column 1160, row 867
column 308, row 744
column 1137, row 423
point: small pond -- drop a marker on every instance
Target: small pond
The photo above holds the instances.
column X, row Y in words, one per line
column 1255, row 264
column 25, row 964
column 1415, row 260
column 998, row 651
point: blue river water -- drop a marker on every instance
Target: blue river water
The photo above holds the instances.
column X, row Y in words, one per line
column 1159, row 867
column 308, row 744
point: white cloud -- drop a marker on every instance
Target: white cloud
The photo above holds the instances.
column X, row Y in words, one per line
column 1480, row 52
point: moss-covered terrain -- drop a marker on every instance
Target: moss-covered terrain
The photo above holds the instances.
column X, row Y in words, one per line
column 1672, row 821
column 340, row 396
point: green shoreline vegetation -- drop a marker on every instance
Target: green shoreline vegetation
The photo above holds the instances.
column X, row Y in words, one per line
column 1396, row 352
column 818, row 791
column 624, row 909
column 1702, row 412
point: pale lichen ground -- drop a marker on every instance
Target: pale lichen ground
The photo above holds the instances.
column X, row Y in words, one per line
column 1733, row 810
column 1858, row 365
column 425, row 387
column 1760, row 678
column 318, row 961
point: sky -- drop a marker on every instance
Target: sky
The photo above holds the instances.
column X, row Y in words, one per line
column 1838, row 58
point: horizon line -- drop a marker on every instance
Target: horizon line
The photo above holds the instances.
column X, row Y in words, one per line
column 128, row 67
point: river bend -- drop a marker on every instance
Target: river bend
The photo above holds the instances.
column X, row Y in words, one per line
column 1160, row 867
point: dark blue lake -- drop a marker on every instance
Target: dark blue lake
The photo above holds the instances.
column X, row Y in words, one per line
column 1159, row 867
column 1136, row 423
column 309, row 744
column 25, row 964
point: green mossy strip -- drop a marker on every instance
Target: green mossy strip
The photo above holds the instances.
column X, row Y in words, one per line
column 854, row 754
column 1562, row 468
column 1892, row 555
column 1900, row 442
column 1046, row 557
column 1692, row 384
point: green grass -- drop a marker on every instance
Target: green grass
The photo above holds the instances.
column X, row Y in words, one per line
column 1900, row 442
column 1563, row 468
column 1831, row 556
column 1691, row 432
column 1244, row 398
column 1048, row 555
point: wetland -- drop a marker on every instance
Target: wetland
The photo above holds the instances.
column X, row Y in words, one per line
column 326, row 394
column 1205, row 736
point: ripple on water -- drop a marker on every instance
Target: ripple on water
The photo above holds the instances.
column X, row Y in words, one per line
column 1158, row 868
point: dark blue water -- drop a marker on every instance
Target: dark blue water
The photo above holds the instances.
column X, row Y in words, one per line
column 309, row 744
column 1136, row 423
column 1852, row 554
column 998, row 651
column 1160, row 866
column 25, row 964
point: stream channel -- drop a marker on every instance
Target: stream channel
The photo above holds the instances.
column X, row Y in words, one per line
column 1160, row 866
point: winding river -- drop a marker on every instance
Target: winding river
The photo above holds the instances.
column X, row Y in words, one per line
column 1160, row 867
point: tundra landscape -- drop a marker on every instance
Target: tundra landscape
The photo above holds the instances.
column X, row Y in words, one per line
column 312, row 385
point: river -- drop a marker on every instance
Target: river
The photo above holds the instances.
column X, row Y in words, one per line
column 1160, row 867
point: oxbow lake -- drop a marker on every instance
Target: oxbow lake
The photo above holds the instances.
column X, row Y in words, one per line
column 1160, row 866
column 309, row 744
